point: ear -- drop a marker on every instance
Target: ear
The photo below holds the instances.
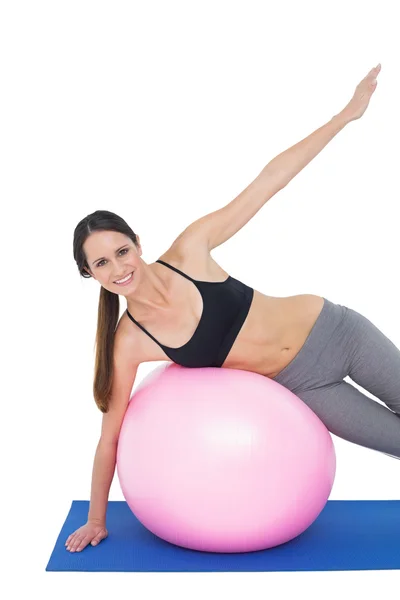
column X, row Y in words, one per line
column 139, row 247
column 87, row 270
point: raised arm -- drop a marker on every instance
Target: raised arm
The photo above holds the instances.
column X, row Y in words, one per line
column 217, row 227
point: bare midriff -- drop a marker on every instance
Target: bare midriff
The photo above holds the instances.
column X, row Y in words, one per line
column 271, row 336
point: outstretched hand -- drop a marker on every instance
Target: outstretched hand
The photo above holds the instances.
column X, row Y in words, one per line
column 359, row 102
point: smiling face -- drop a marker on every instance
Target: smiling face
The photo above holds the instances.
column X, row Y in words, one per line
column 112, row 256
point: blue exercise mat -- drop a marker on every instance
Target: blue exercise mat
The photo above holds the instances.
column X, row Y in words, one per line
column 348, row 535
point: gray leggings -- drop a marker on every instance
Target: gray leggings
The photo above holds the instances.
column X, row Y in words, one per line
column 345, row 343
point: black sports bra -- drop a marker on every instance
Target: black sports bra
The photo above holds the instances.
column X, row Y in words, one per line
column 225, row 308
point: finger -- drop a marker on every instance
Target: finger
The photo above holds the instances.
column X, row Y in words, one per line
column 70, row 539
column 75, row 543
column 375, row 71
column 83, row 543
column 97, row 539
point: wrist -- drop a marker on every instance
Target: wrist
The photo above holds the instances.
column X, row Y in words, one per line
column 96, row 521
column 343, row 118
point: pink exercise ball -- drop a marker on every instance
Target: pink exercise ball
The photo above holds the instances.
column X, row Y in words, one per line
column 223, row 460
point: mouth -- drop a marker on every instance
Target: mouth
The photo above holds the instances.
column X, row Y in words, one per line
column 125, row 280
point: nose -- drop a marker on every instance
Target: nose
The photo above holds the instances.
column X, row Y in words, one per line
column 118, row 277
column 124, row 273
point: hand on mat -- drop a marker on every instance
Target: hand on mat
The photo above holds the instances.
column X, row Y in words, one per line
column 359, row 102
column 89, row 533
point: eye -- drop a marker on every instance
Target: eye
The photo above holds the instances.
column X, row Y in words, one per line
column 123, row 250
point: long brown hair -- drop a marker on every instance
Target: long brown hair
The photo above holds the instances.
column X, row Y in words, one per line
column 108, row 309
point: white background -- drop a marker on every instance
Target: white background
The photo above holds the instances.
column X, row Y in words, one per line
column 162, row 112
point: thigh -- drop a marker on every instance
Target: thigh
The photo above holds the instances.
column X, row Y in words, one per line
column 353, row 416
column 375, row 361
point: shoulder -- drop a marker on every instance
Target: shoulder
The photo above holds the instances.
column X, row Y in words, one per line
column 189, row 245
column 127, row 343
column 194, row 258
column 188, row 252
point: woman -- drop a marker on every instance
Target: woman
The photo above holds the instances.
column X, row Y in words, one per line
column 185, row 308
